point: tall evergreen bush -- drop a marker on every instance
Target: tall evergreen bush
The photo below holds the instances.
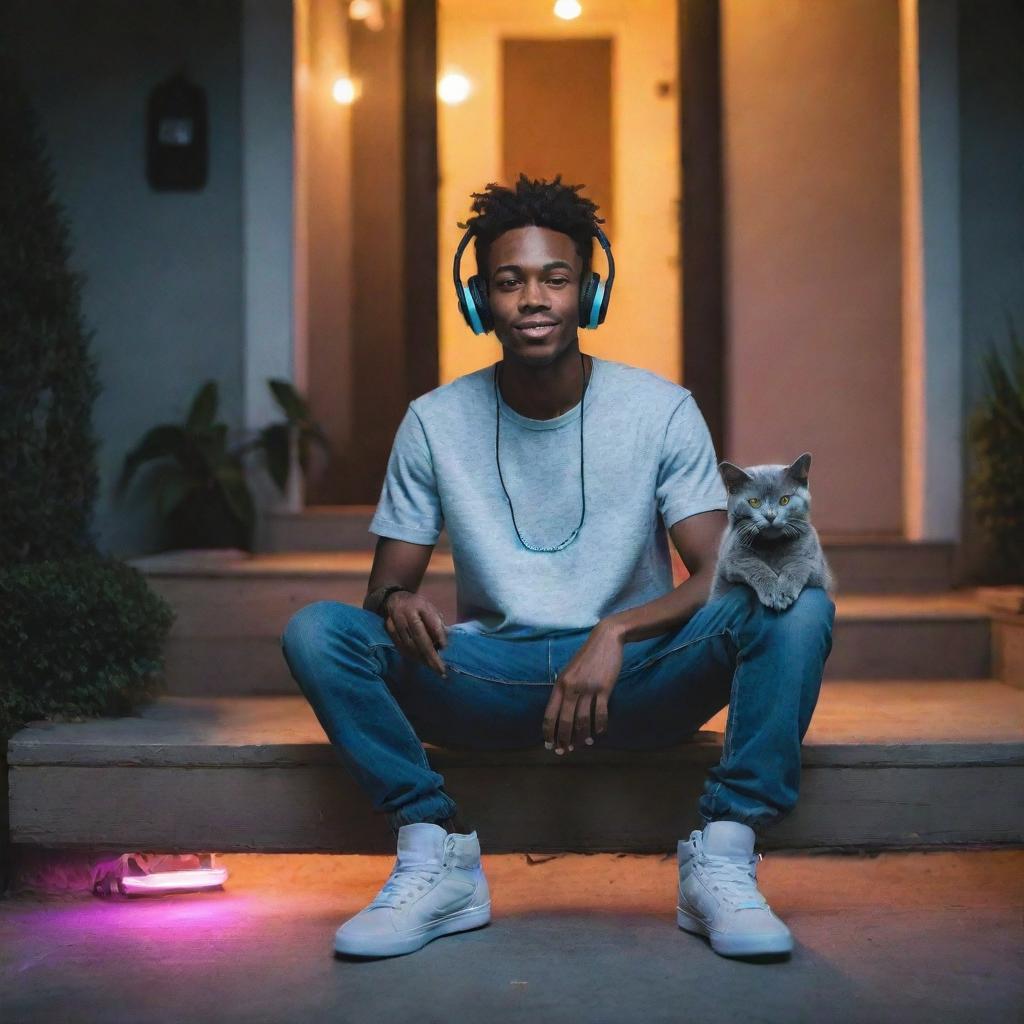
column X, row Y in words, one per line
column 49, row 380
column 80, row 634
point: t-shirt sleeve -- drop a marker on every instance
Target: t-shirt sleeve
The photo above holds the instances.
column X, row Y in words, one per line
column 409, row 507
column 688, row 478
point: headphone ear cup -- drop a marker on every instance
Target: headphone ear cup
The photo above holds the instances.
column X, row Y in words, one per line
column 587, row 293
column 478, row 291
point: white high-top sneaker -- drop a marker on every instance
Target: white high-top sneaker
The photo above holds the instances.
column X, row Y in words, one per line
column 718, row 894
column 436, row 887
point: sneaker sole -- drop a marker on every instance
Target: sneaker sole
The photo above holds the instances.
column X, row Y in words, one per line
column 742, row 945
column 461, row 921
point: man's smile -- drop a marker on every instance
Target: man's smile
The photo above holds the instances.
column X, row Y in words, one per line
column 539, row 333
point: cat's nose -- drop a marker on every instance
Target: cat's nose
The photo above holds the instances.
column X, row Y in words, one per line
column 770, row 516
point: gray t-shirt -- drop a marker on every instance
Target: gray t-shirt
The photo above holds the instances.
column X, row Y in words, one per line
column 648, row 462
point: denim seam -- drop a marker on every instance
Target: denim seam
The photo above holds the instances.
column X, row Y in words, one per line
column 494, row 679
column 664, row 654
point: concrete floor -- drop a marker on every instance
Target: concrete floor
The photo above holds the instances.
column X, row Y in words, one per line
column 901, row 937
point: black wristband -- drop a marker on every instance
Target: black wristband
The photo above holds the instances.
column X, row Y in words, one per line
column 376, row 601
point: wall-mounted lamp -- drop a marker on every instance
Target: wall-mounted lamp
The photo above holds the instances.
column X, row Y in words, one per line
column 567, row 9
column 453, row 88
column 345, row 90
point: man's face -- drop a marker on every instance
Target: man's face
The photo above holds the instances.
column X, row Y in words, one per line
column 534, row 276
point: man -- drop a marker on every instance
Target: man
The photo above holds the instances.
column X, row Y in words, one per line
column 569, row 630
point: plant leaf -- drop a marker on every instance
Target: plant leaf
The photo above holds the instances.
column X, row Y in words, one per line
column 236, row 493
column 291, row 402
column 204, row 407
column 275, row 447
column 166, row 440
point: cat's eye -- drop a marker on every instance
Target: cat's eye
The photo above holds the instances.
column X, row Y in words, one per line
column 784, row 500
column 754, row 502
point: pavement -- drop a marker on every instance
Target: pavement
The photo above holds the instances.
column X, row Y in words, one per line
column 897, row 936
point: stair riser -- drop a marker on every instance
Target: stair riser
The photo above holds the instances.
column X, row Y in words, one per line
column 640, row 808
column 225, row 640
column 246, row 666
column 868, row 568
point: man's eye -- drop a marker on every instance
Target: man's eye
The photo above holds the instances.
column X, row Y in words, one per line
column 559, row 280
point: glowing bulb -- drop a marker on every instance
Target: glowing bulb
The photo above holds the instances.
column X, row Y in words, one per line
column 344, row 90
column 567, row 9
column 360, row 10
column 453, row 88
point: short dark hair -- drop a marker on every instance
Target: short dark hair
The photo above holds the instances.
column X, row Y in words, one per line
column 547, row 204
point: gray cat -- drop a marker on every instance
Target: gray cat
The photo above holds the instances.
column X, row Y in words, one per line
column 770, row 544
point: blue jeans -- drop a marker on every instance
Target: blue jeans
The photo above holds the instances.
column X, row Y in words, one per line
column 378, row 706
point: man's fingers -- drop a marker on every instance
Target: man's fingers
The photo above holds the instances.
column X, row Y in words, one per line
column 600, row 714
column 563, row 734
column 400, row 642
column 582, row 727
column 551, row 717
column 425, row 645
column 436, row 625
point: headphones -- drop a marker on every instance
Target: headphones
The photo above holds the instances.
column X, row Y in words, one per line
column 476, row 310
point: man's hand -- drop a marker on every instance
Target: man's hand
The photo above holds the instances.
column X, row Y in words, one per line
column 587, row 680
column 416, row 625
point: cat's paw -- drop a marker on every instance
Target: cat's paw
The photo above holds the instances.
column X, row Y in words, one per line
column 784, row 595
column 778, row 598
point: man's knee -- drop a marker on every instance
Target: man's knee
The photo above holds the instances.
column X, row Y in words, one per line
column 312, row 626
column 813, row 609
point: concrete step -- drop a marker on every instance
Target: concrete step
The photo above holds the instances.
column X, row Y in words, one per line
column 863, row 563
column 890, row 763
column 232, row 608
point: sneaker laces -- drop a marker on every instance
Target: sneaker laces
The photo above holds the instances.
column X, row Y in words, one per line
column 736, row 880
column 406, row 880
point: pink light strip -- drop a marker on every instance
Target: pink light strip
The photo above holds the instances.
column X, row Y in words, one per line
column 175, row 881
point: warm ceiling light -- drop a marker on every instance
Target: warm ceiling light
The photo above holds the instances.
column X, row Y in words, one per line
column 453, row 88
column 567, row 9
column 344, row 90
column 368, row 11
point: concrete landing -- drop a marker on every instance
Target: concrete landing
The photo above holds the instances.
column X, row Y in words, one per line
column 886, row 763
column 899, row 938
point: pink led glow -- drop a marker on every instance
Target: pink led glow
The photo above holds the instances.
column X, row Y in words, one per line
column 174, row 881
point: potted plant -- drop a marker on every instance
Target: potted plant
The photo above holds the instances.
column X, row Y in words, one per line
column 996, row 431
column 202, row 492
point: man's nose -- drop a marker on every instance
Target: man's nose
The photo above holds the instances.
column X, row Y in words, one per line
column 533, row 294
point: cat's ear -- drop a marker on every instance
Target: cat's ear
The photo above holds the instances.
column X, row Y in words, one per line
column 798, row 470
column 733, row 476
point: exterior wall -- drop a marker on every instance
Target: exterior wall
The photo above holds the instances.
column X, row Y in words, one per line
column 812, row 172
column 163, row 271
column 991, row 39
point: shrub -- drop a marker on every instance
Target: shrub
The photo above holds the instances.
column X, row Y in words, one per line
column 996, row 430
column 78, row 637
